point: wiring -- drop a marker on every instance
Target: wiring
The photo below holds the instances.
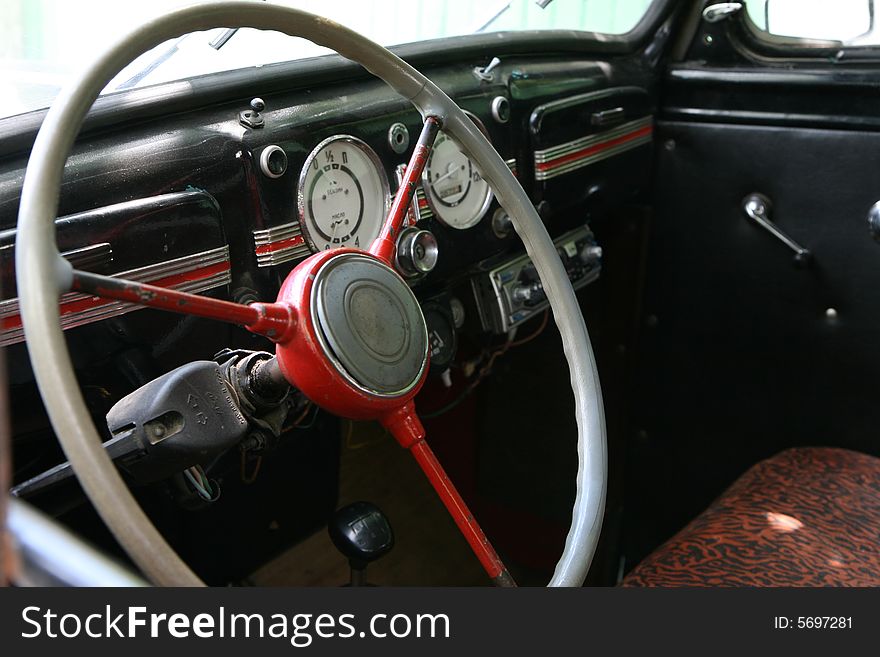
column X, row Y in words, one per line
column 487, row 368
column 252, row 477
column 206, row 488
column 244, row 452
column 534, row 334
column 311, row 422
column 299, row 418
column 348, row 438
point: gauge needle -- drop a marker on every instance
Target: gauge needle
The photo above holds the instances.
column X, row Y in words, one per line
column 451, row 169
column 335, row 227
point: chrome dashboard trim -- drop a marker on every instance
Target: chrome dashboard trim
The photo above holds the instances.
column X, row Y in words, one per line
column 280, row 244
column 581, row 152
column 193, row 273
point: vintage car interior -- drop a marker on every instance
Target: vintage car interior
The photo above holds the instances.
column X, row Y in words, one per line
column 515, row 307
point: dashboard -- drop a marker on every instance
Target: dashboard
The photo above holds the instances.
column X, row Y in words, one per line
column 236, row 195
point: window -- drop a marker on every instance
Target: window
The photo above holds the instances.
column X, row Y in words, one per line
column 845, row 22
column 44, row 42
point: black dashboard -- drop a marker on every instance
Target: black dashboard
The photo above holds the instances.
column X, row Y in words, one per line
column 192, row 184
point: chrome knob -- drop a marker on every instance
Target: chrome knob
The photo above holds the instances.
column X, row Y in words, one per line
column 502, row 224
column 398, row 138
column 416, row 252
column 529, row 293
column 591, row 255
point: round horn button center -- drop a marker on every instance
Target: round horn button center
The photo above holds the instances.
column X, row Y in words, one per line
column 378, row 320
column 370, row 324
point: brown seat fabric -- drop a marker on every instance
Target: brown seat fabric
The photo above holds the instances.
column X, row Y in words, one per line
column 806, row 517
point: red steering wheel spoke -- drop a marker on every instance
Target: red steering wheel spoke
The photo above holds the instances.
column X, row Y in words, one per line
column 272, row 320
column 405, row 426
column 384, row 246
column 461, row 514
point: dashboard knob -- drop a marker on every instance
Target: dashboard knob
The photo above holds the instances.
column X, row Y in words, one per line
column 251, row 118
column 502, row 224
column 416, row 252
column 529, row 294
column 591, row 255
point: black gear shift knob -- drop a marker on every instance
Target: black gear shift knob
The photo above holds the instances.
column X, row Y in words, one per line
column 362, row 533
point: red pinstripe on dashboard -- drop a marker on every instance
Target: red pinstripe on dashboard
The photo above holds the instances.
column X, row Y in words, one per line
column 572, row 155
column 192, row 273
column 280, row 245
column 81, row 305
column 592, row 150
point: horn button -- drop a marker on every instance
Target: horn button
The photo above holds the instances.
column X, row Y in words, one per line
column 370, row 324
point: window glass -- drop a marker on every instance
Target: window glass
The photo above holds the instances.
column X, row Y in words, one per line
column 44, row 42
column 849, row 22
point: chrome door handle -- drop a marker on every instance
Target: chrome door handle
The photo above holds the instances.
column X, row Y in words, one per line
column 720, row 10
column 757, row 208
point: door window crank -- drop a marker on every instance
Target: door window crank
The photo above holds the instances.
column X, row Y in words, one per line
column 757, row 208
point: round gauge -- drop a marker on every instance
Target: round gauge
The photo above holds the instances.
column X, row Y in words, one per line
column 455, row 190
column 343, row 194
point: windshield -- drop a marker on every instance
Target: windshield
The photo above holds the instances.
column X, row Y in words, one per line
column 43, row 43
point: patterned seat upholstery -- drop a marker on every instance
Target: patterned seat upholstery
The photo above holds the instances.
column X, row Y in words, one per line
column 806, row 517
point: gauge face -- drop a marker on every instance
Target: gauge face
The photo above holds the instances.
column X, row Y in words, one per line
column 456, row 192
column 343, row 194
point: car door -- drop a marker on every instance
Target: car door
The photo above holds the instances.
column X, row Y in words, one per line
column 758, row 332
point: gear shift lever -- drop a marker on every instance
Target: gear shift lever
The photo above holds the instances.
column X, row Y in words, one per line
column 362, row 533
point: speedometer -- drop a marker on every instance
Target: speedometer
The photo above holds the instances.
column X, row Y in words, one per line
column 343, row 194
column 455, row 190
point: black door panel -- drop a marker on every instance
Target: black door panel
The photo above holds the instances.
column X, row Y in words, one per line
column 742, row 353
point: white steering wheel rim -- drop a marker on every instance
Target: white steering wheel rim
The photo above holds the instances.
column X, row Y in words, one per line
column 42, row 274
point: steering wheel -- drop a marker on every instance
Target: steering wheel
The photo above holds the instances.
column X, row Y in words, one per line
column 320, row 341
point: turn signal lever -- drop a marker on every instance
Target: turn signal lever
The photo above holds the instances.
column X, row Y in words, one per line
column 363, row 534
column 186, row 417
